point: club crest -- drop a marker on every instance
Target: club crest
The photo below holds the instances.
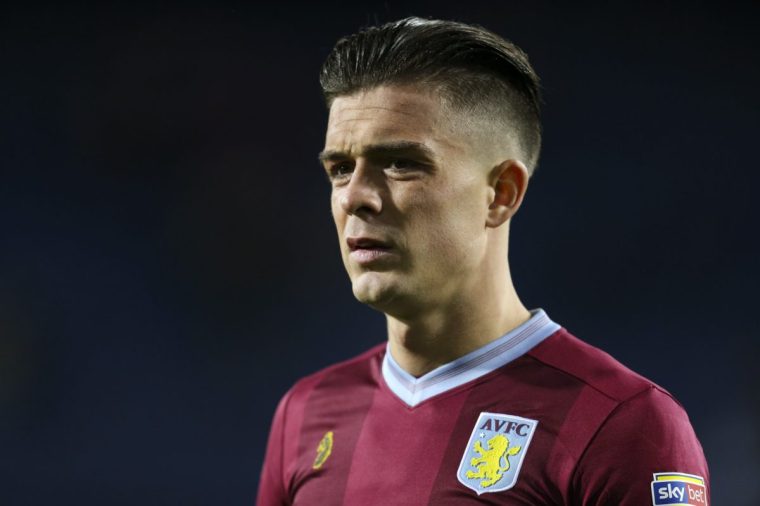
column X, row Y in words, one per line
column 495, row 452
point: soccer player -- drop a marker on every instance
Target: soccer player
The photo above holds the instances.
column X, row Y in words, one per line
column 432, row 136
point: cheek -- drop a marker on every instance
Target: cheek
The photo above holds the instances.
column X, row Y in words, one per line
column 339, row 218
column 337, row 214
column 451, row 228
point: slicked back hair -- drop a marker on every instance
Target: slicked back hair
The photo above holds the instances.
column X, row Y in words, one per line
column 473, row 69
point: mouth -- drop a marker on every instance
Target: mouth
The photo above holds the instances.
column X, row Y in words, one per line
column 366, row 250
column 366, row 243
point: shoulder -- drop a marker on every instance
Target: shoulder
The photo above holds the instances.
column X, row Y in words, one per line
column 591, row 367
column 342, row 375
column 647, row 438
column 632, row 428
column 308, row 398
column 605, row 394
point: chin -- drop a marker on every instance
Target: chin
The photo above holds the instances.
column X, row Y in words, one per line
column 370, row 289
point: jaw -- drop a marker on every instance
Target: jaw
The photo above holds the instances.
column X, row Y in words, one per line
column 391, row 293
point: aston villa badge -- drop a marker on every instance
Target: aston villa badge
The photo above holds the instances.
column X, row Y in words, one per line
column 495, row 452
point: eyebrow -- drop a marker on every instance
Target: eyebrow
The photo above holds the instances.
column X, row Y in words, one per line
column 381, row 149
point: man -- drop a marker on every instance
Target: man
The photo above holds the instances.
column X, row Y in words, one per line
column 432, row 136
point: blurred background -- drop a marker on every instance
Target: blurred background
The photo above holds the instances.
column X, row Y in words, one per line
column 169, row 267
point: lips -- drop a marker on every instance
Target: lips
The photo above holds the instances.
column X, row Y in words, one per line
column 366, row 243
column 370, row 252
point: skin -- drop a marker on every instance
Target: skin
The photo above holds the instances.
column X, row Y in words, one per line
column 440, row 190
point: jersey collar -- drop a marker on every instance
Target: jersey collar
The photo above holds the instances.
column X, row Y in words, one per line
column 475, row 364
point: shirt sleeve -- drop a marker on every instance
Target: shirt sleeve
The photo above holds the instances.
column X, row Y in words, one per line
column 645, row 453
column 272, row 491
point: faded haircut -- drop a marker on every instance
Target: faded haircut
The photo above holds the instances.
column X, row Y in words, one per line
column 474, row 70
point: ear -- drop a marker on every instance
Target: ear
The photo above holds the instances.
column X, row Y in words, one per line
column 508, row 182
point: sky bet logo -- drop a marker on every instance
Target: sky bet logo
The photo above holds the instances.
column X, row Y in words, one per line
column 678, row 489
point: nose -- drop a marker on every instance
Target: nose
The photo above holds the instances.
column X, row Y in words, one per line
column 362, row 194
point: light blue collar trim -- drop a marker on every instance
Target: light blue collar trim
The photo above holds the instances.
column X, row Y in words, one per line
column 475, row 364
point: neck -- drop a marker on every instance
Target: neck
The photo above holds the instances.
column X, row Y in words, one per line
column 478, row 315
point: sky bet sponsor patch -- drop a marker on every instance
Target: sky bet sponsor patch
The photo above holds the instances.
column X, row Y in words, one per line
column 676, row 489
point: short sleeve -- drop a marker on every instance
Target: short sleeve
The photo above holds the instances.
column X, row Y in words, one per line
column 271, row 485
column 646, row 452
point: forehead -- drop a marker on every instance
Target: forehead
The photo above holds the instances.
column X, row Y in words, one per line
column 389, row 114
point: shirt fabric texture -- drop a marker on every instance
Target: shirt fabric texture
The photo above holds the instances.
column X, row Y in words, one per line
column 364, row 432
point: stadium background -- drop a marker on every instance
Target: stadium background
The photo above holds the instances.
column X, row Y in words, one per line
column 168, row 264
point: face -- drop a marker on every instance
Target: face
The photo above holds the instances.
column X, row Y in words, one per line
column 410, row 198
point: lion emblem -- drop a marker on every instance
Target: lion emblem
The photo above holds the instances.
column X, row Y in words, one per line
column 489, row 466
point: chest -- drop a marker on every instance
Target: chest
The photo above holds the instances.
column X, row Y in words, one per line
column 442, row 452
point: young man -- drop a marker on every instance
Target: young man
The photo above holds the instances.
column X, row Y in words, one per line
column 432, row 136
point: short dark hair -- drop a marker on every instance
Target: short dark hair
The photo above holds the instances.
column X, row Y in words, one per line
column 473, row 68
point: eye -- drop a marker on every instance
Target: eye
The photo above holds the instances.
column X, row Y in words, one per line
column 402, row 164
column 339, row 170
column 405, row 168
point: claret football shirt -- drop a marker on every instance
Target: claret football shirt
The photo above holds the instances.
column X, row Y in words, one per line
column 536, row 417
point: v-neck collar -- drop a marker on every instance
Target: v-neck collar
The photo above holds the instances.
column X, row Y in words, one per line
column 475, row 364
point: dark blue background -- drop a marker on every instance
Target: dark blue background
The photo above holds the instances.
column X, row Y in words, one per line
column 169, row 267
